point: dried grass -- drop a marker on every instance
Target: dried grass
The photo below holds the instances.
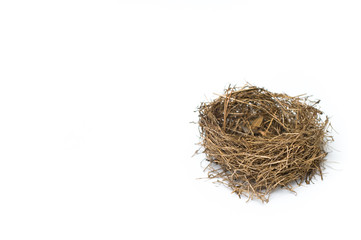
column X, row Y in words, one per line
column 257, row 141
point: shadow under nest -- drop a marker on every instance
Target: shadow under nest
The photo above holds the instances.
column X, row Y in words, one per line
column 257, row 141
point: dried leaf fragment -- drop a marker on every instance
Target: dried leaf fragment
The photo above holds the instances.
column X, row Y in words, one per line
column 257, row 122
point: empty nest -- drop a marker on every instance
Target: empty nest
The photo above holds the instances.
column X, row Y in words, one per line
column 257, row 141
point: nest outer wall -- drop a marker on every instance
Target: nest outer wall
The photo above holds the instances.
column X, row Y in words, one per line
column 257, row 141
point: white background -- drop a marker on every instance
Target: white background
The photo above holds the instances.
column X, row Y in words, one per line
column 96, row 100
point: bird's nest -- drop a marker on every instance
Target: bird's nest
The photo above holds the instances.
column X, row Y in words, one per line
column 257, row 141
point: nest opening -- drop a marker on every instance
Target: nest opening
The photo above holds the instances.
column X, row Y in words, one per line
column 257, row 141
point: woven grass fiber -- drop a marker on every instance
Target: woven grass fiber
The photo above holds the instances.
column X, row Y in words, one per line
column 257, row 141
